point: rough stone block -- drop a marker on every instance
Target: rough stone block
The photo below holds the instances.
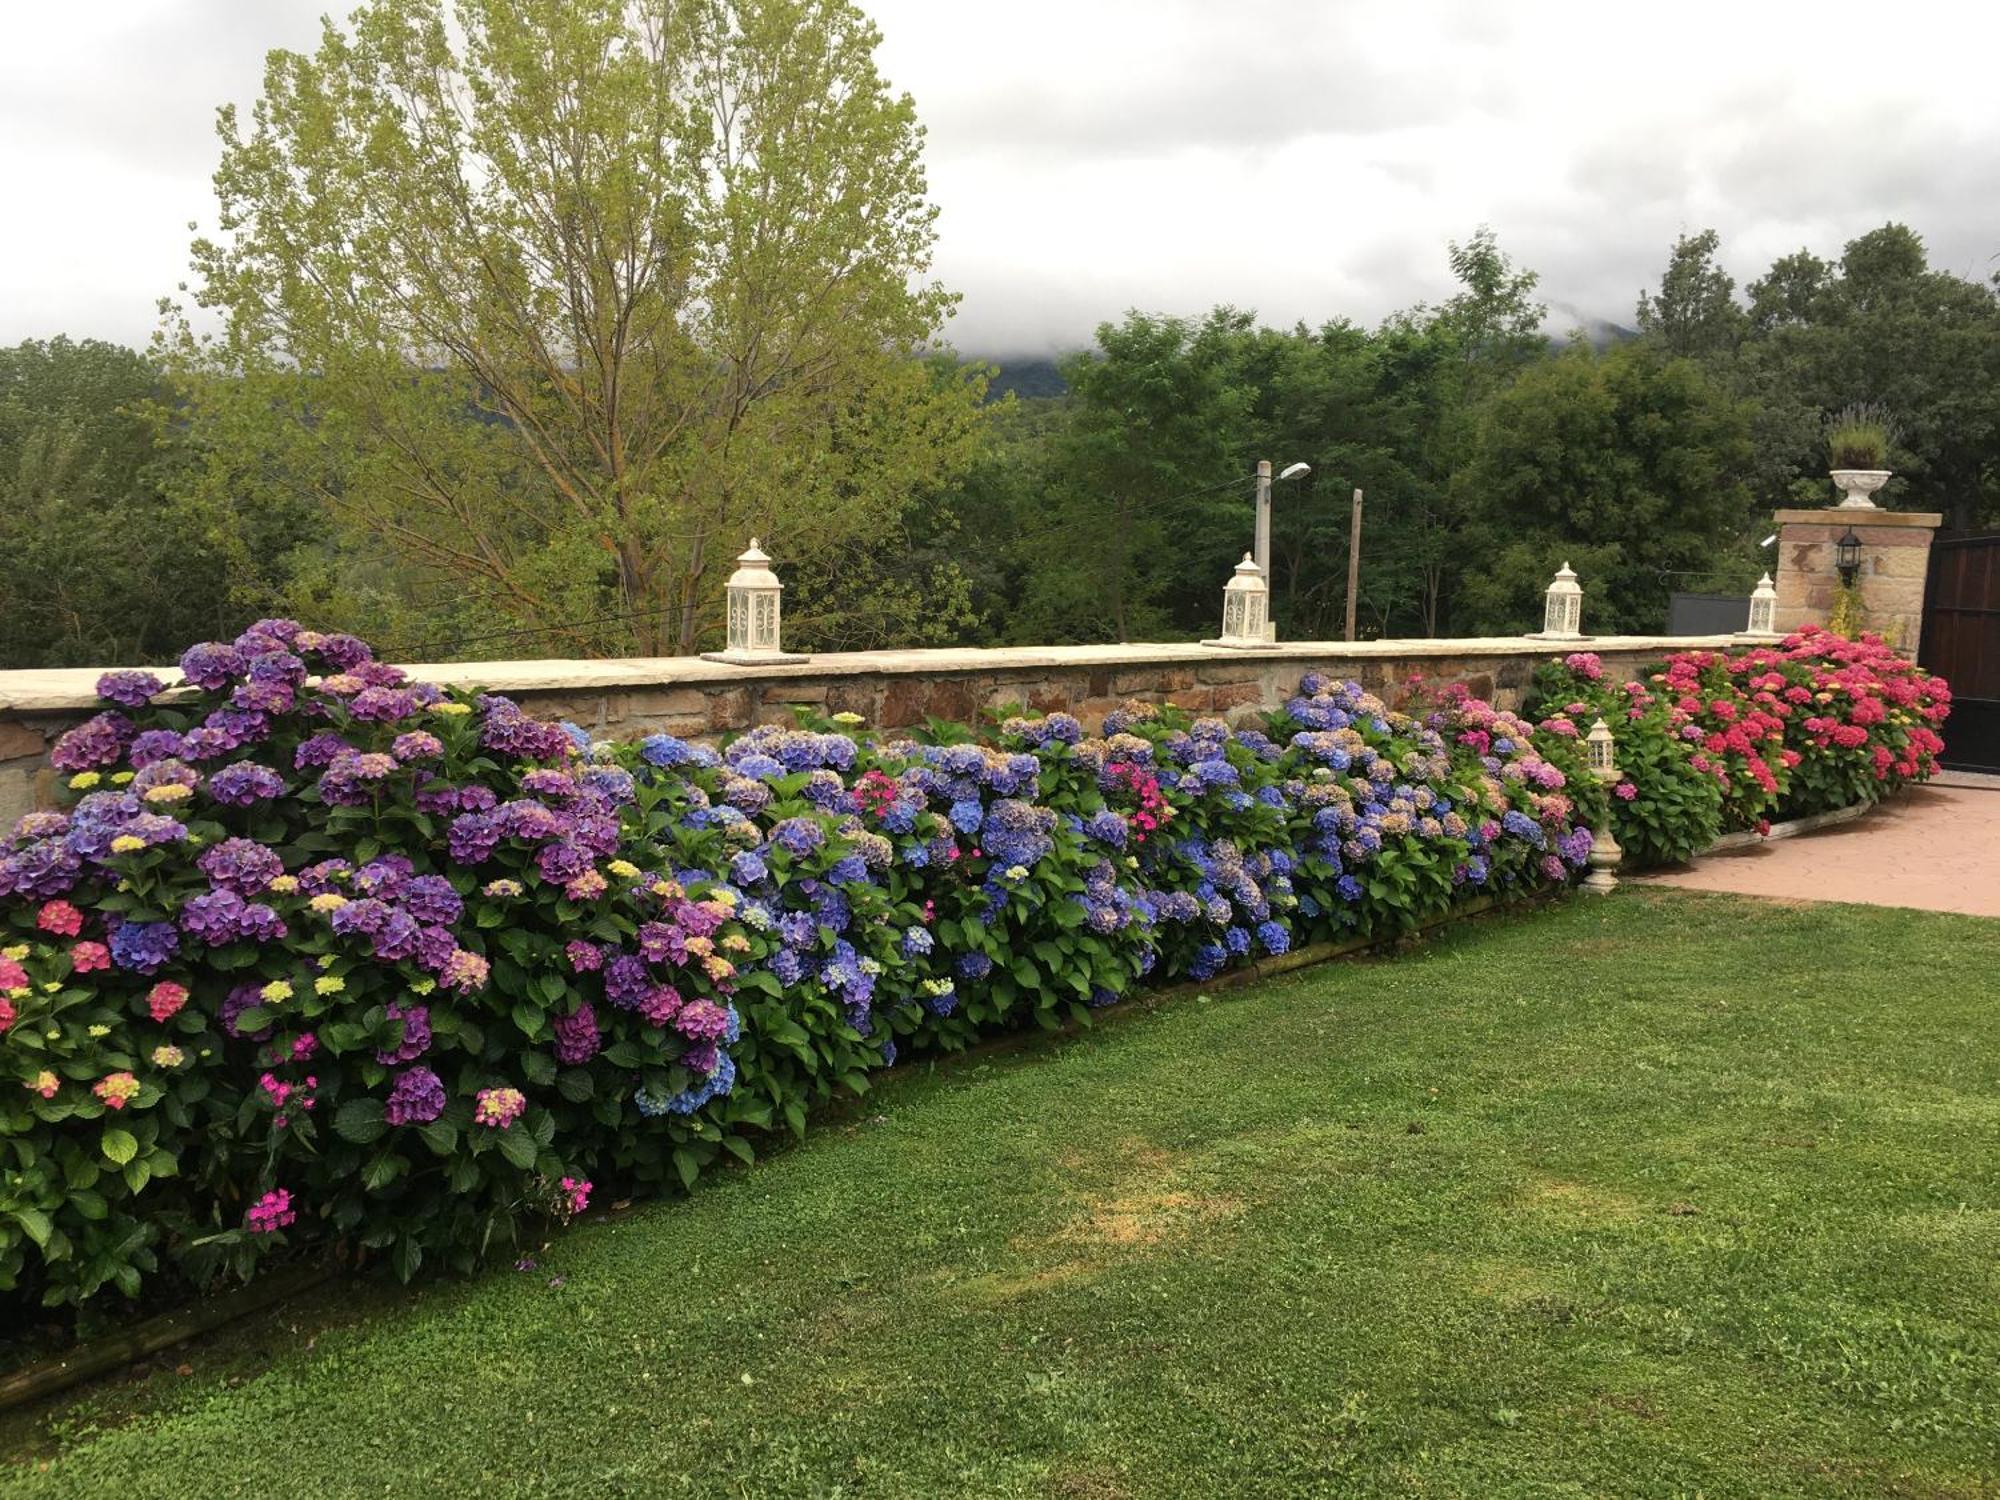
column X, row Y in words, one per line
column 17, row 740
column 660, row 702
column 903, row 700
column 792, row 692
column 1159, row 681
column 953, row 698
column 855, row 695
column 1224, row 670
column 1230, row 695
column 728, row 708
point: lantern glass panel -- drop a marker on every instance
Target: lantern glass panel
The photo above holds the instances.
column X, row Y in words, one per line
column 764, row 631
column 1760, row 616
column 739, row 620
column 1232, row 613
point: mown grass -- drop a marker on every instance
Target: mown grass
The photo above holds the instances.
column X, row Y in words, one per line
column 1665, row 1195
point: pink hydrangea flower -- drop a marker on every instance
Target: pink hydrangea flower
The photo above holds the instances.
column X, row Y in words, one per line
column 165, row 999
column 496, row 1109
column 61, row 918
column 116, row 1089
column 86, row 958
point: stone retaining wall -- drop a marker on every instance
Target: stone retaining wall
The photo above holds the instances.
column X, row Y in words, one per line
column 889, row 689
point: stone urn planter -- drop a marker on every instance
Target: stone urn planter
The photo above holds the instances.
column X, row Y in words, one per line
column 1857, row 486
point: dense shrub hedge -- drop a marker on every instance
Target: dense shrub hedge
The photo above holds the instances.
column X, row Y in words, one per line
column 319, row 960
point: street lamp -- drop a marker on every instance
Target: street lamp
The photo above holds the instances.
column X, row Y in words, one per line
column 1263, row 547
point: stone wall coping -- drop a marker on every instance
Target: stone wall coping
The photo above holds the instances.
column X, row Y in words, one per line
column 1833, row 515
column 67, row 689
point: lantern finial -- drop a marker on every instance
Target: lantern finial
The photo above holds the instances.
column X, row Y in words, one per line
column 754, row 597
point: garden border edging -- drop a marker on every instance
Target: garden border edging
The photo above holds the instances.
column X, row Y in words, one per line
column 1812, row 822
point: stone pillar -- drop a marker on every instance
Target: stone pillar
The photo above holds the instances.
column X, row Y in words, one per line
column 1895, row 557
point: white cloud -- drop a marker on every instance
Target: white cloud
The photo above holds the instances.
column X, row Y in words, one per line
column 1303, row 158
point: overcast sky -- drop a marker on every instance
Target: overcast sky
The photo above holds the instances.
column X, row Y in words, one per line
column 1304, row 158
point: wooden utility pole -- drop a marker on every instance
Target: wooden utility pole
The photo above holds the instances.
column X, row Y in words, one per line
column 1353, row 562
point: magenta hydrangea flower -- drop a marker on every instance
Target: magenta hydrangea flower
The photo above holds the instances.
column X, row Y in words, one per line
column 577, row 1036
column 270, row 1213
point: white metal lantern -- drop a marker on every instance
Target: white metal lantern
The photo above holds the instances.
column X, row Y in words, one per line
column 1763, row 613
column 1605, row 854
column 1246, row 604
column 1603, row 751
column 1562, row 610
column 754, row 602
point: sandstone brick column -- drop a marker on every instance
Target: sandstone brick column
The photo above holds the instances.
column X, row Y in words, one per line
column 1895, row 557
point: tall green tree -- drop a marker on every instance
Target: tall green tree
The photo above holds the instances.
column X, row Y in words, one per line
column 1884, row 327
column 1630, row 464
column 553, row 303
column 97, row 565
column 1694, row 314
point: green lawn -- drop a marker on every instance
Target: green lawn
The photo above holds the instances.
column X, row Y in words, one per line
column 1665, row 1195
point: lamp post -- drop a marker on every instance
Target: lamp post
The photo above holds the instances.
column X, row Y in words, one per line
column 754, row 603
column 1605, row 855
column 1261, row 541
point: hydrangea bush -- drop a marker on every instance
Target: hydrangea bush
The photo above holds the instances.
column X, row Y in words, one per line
column 1719, row 741
column 317, row 957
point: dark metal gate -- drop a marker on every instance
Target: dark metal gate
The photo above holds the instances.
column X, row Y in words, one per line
column 1961, row 643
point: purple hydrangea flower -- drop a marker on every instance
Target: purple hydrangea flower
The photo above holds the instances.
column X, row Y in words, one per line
column 144, row 946
column 44, row 868
column 382, row 705
column 626, row 981
column 211, row 664
column 319, row 750
column 431, row 899
column 416, row 1040
column 128, row 689
column 384, row 877
column 417, row 1098
column 398, row 937
column 245, row 783
column 703, row 1021
column 472, row 838
column 97, row 741
column 241, row 865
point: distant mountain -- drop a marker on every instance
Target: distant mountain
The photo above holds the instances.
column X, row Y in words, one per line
column 1025, row 378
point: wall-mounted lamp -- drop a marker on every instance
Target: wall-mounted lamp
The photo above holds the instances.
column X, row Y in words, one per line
column 1847, row 557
